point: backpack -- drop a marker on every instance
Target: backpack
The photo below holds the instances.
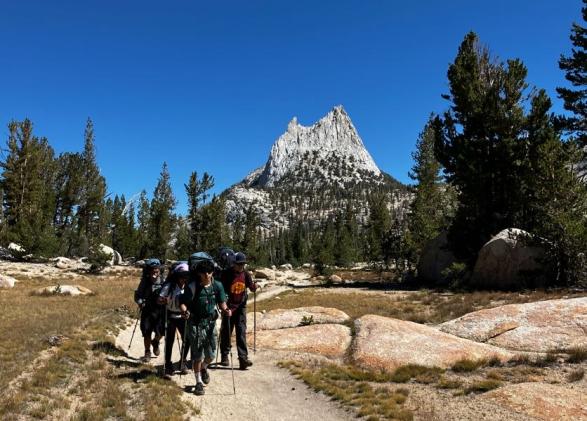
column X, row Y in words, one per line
column 225, row 257
column 198, row 258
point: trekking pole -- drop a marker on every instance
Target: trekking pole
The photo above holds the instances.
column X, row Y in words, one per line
column 231, row 365
column 165, row 341
column 255, row 321
column 135, row 329
column 218, row 344
column 185, row 332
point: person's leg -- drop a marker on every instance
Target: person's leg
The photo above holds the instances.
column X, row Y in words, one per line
column 241, row 336
column 169, row 341
column 225, row 346
column 181, row 324
column 159, row 328
column 146, row 331
column 209, row 352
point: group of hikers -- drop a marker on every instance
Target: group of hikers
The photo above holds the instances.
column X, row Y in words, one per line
column 187, row 303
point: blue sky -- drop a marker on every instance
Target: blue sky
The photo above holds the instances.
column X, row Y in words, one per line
column 209, row 86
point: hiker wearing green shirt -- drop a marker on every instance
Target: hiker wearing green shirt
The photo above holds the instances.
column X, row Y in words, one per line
column 198, row 307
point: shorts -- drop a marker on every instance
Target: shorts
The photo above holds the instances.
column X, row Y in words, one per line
column 202, row 339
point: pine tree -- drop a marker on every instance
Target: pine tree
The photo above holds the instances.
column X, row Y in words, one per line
column 557, row 210
column 93, row 191
column 428, row 210
column 144, row 245
column 27, row 182
column 197, row 192
column 161, row 217
column 575, row 68
column 378, row 226
column 213, row 227
column 481, row 143
column 68, row 185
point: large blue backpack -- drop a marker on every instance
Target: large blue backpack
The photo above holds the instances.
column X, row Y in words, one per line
column 225, row 257
column 199, row 257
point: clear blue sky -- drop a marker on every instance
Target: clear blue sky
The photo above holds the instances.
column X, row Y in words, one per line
column 209, row 86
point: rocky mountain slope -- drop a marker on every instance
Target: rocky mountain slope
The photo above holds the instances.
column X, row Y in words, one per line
column 312, row 172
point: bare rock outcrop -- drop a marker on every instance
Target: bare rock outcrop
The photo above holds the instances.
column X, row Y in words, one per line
column 7, row 281
column 508, row 261
column 542, row 401
column 382, row 343
column 264, row 273
column 115, row 257
column 436, row 257
column 72, row 290
column 282, row 319
column 539, row 327
column 329, row 340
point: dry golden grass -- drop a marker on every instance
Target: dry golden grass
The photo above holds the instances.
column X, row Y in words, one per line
column 419, row 306
column 354, row 388
column 79, row 379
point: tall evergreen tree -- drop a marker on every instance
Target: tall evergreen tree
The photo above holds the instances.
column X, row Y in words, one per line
column 198, row 192
column 429, row 208
column 509, row 166
column 144, row 245
column 213, row 227
column 93, row 192
column 377, row 228
column 481, row 143
column 575, row 68
column 27, row 182
column 161, row 219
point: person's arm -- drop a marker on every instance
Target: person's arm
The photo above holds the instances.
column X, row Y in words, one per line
column 221, row 299
column 184, row 300
column 250, row 283
column 164, row 293
column 140, row 293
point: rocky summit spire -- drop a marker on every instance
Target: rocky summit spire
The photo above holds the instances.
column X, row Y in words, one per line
column 331, row 148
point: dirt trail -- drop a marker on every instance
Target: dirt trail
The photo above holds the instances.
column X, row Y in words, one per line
column 263, row 392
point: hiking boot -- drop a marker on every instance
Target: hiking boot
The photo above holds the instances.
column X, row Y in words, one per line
column 199, row 389
column 224, row 361
column 205, row 375
column 183, row 368
column 245, row 363
column 156, row 348
column 168, row 370
column 147, row 357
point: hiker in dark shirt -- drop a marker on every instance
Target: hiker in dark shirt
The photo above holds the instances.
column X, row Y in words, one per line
column 235, row 281
column 146, row 297
column 198, row 307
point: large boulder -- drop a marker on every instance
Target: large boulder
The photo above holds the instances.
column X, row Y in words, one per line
column 542, row 401
column 72, row 290
column 264, row 273
column 509, row 261
column 329, row 340
column 286, row 266
column 435, row 258
column 115, row 257
column 538, row 327
column 281, row 319
column 382, row 343
column 7, row 281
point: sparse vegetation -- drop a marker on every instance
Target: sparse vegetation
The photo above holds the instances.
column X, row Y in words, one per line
column 79, row 370
column 576, row 375
column 353, row 388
